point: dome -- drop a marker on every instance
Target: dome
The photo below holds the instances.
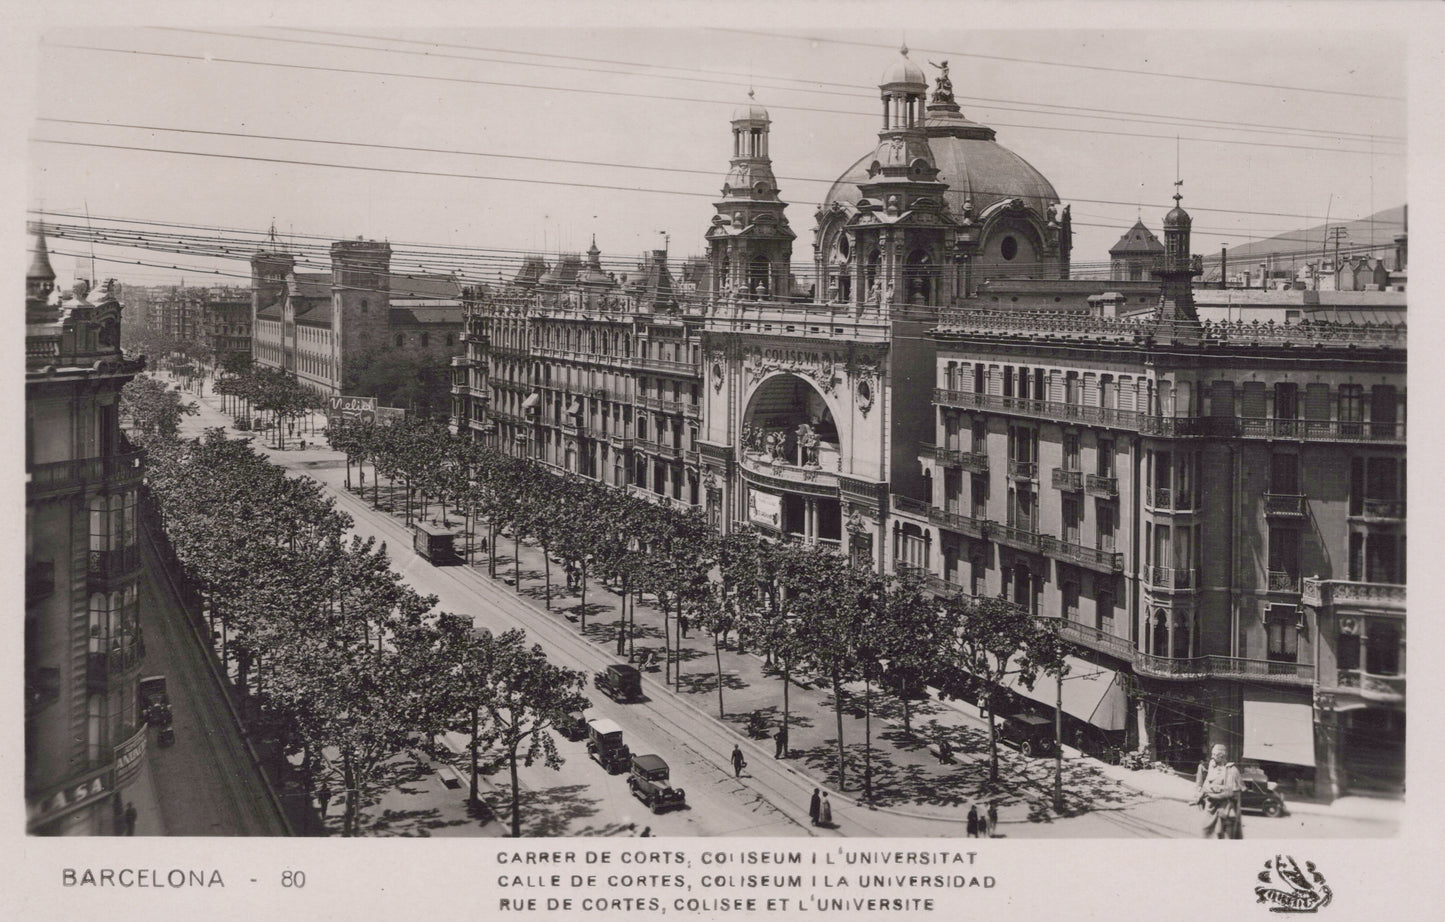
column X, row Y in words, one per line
column 970, row 161
column 1177, row 216
column 751, row 112
column 904, row 71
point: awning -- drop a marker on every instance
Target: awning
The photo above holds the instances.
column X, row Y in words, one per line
column 1278, row 728
column 531, row 401
column 575, row 407
column 1091, row 693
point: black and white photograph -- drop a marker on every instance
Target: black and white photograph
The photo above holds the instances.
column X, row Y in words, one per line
column 888, row 451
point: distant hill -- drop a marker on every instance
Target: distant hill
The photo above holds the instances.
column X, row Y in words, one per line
column 1379, row 237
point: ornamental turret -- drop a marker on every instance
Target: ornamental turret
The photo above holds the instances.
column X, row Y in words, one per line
column 1176, row 270
column 750, row 244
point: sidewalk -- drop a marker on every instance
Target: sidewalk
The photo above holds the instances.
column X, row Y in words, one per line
column 907, row 778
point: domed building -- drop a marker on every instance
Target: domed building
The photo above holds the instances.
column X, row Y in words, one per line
column 815, row 408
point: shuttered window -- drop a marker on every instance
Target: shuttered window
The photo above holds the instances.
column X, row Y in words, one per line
column 1221, row 398
column 1252, row 404
column 1317, row 401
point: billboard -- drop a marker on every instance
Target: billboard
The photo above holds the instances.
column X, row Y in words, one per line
column 351, row 409
column 765, row 508
column 386, row 416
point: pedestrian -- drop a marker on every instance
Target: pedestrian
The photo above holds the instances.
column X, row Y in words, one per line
column 781, row 739
column 815, row 807
column 992, row 819
column 1217, row 791
column 738, row 763
column 683, row 624
column 130, row 819
column 825, row 812
column 323, row 797
column 646, row 833
column 973, row 822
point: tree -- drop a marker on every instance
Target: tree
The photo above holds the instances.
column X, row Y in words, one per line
column 149, row 408
column 528, row 696
column 396, row 379
column 909, row 640
column 992, row 640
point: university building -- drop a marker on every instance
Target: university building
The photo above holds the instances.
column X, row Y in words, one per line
column 84, row 740
column 324, row 326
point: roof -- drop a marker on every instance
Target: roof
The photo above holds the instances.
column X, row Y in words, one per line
column 40, row 264
column 270, row 312
column 1137, row 239
column 425, row 287
column 314, row 311
column 603, row 725
column 423, row 314
column 649, row 762
column 974, row 166
column 903, row 71
column 309, row 284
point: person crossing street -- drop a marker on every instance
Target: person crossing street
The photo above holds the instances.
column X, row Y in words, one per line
column 738, row 762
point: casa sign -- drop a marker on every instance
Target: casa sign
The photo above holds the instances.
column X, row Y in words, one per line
column 70, row 797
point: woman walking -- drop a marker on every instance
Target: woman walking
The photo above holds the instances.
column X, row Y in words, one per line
column 973, row 821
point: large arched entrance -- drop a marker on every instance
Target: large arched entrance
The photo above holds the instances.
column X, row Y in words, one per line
column 788, row 426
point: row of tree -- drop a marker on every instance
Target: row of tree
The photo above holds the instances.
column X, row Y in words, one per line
column 250, row 388
column 350, row 666
column 806, row 607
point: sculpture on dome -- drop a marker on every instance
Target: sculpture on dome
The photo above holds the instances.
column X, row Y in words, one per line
column 943, row 87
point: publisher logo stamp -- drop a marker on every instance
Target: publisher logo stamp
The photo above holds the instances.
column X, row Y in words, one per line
column 1290, row 888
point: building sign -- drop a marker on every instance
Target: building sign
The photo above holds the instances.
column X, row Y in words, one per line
column 88, row 789
column 765, row 508
column 129, row 756
column 351, row 409
column 387, row 416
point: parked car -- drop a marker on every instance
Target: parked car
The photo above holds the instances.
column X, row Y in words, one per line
column 620, row 683
column 604, row 744
column 1030, row 733
column 574, row 727
column 650, row 784
column 1260, row 794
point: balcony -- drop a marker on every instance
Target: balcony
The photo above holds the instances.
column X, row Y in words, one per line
column 1384, row 510
column 1386, row 689
column 1290, row 505
column 1180, row 427
column 1099, row 485
column 1322, row 430
column 1280, row 581
column 1023, row 470
column 1092, row 637
column 911, row 506
column 666, row 406
column 1201, row 667
column 1039, row 409
column 954, row 521
column 1321, row 593
column 1172, row 578
column 102, row 668
column 1068, row 481
column 973, row 461
column 1014, row 536
column 1093, row 558
column 941, row 586
column 114, row 564
column 1167, row 499
column 667, row 366
column 39, row 580
column 59, row 476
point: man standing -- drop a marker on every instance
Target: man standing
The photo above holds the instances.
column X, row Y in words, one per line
column 992, row 819
column 738, row 762
column 323, row 797
column 683, row 624
column 973, row 821
column 814, row 806
column 1217, row 789
column 781, row 738
column 130, row 819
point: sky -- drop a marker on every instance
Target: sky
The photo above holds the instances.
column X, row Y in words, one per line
column 1274, row 117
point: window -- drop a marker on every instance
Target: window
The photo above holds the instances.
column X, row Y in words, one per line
column 1383, row 407
column 1107, row 518
column 1071, row 520
column 363, row 305
column 1071, row 601
column 1071, row 452
column 980, row 437
column 1104, row 612
column 451, row 339
column 1382, row 647
column 1106, row 458
column 400, row 340
column 1008, row 380
column 1352, row 408
column 1022, row 510
column 1284, row 559
column 1282, row 634
column 978, row 495
column 1284, row 474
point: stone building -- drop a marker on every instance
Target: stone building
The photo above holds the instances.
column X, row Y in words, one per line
column 84, row 740
column 1132, row 258
column 324, row 326
column 588, row 374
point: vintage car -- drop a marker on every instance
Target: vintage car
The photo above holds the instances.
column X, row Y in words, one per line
column 574, row 726
column 1260, row 795
column 649, row 783
column 1031, row 734
column 604, row 744
column 155, row 707
column 620, row 683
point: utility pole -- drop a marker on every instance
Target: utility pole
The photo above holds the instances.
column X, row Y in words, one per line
column 1339, row 232
column 1059, row 741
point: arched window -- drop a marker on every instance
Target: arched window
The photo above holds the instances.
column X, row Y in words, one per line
column 400, row 340
column 425, row 340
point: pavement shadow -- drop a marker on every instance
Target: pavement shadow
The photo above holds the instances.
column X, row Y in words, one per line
column 412, row 822
column 694, row 682
column 547, row 811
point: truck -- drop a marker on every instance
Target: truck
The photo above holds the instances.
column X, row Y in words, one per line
column 620, row 683
column 154, row 705
column 650, row 784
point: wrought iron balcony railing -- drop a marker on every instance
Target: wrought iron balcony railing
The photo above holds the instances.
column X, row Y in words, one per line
column 1171, row 577
column 1068, row 481
column 1023, row 470
column 1099, row 485
column 1284, row 504
column 1093, row 558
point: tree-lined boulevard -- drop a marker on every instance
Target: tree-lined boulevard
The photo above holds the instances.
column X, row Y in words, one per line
column 363, row 672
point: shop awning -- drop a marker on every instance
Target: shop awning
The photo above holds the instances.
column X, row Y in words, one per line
column 1091, row 693
column 531, row 401
column 1277, row 729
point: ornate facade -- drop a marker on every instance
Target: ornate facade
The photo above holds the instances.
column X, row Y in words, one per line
column 84, row 740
